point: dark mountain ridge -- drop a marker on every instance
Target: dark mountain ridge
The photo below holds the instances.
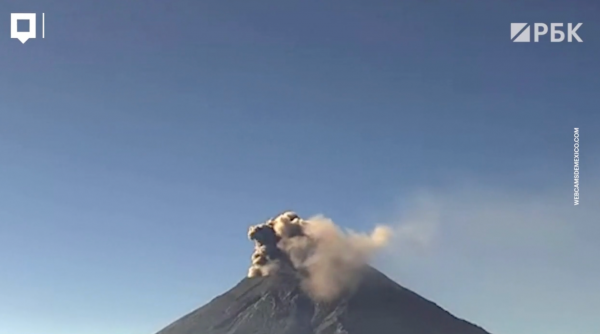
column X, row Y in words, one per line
column 277, row 304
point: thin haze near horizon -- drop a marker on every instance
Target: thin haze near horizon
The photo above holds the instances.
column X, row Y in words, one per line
column 140, row 139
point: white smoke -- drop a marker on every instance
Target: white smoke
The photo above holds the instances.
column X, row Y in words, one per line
column 326, row 258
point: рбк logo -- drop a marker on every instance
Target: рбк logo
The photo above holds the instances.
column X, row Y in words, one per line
column 521, row 32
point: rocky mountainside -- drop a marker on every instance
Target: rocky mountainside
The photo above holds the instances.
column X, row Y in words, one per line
column 276, row 304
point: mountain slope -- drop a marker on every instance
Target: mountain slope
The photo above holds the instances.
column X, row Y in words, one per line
column 277, row 305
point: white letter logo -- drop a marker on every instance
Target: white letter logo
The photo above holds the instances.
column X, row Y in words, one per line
column 517, row 29
column 573, row 32
column 539, row 32
column 556, row 32
column 23, row 36
column 521, row 32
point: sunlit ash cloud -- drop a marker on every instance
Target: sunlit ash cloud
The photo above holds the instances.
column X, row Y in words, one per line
column 326, row 258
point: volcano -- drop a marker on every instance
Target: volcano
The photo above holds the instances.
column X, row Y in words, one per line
column 311, row 277
column 277, row 304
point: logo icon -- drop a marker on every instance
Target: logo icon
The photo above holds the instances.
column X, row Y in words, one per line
column 521, row 32
column 23, row 36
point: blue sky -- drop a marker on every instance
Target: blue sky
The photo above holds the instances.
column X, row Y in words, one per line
column 139, row 140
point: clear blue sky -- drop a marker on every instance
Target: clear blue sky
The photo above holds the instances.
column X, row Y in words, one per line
column 139, row 140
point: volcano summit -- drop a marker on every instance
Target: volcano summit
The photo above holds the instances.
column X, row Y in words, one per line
column 309, row 277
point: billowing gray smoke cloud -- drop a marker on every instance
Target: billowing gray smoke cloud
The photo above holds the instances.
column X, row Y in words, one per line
column 326, row 258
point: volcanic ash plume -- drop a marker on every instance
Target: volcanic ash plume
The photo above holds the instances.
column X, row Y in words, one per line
column 327, row 258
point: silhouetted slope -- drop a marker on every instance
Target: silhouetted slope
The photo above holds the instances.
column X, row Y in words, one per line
column 276, row 305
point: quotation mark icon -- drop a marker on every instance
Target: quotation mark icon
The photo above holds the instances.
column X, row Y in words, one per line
column 23, row 36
